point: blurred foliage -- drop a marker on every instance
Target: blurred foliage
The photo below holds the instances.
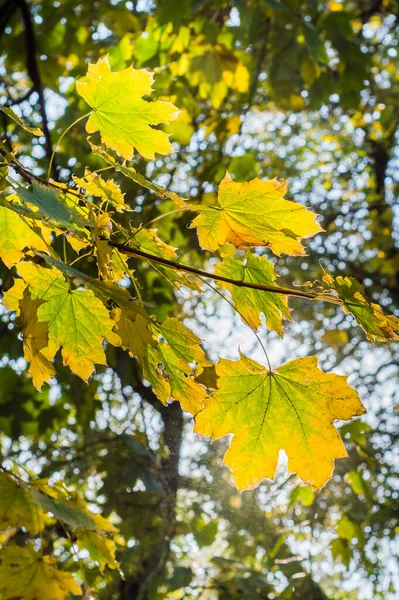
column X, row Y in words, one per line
column 303, row 89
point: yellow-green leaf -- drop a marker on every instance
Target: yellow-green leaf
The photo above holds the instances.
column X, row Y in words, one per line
column 121, row 115
column 369, row 315
column 171, row 367
column 292, row 409
column 77, row 320
column 35, row 337
column 95, row 185
column 255, row 214
column 17, row 508
column 99, row 547
column 15, row 236
column 27, row 575
column 252, row 303
column 10, row 113
column 70, row 508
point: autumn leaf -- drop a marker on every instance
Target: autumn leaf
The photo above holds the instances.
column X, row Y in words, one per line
column 35, row 337
column 369, row 315
column 291, row 409
column 96, row 186
column 100, row 548
column 77, row 320
column 255, row 214
column 68, row 508
column 28, row 575
column 121, row 115
column 172, row 365
column 132, row 327
column 252, row 303
column 17, row 508
column 15, row 236
column 11, row 114
column 49, row 204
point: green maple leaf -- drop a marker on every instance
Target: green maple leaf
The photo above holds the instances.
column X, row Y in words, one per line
column 291, row 409
column 45, row 202
column 77, row 320
column 27, row 575
column 121, row 115
column 252, row 303
column 68, row 508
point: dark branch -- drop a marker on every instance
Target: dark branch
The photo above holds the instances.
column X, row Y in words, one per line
column 34, row 73
column 239, row 283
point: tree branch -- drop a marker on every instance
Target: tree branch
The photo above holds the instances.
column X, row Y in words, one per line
column 34, row 74
column 239, row 283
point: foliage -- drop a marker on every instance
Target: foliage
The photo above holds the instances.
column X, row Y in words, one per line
column 104, row 282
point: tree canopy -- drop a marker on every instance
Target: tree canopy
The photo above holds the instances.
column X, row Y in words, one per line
column 199, row 242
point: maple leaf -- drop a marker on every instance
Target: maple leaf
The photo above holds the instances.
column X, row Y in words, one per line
column 131, row 326
column 121, row 115
column 369, row 315
column 252, row 303
column 27, row 575
column 291, row 409
column 15, row 236
column 254, row 213
column 17, row 508
column 100, row 548
column 170, row 366
column 77, row 320
column 68, row 508
column 50, row 205
column 95, row 185
column 109, row 262
column 35, row 338
column 10, row 113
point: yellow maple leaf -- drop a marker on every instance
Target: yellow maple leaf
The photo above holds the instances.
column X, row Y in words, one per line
column 121, row 115
column 27, row 575
column 254, row 213
column 96, row 186
column 35, row 338
column 291, row 409
column 15, row 235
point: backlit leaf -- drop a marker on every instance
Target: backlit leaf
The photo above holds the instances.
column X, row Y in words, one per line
column 17, row 508
column 15, row 236
column 291, row 409
column 255, row 214
column 99, row 547
column 50, row 204
column 252, row 303
column 27, row 575
column 35, row 337
column 378, row 327
column 11, row 114
column 121, row 115
column 95, row 185
column 77, row 320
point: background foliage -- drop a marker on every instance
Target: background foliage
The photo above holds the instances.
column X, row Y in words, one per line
column 308, row 91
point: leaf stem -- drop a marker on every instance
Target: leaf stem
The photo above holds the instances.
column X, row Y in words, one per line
column 63, row 134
